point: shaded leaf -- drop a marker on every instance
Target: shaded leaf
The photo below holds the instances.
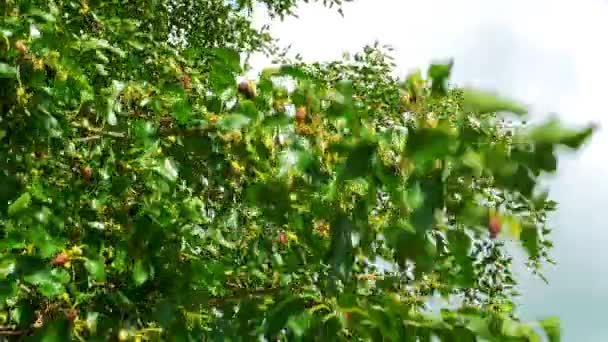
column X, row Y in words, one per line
column 140, row 273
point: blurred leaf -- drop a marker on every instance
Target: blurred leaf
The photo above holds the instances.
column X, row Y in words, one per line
column 300, row 324
column 529, row 238
column 281, row 314
column 229, row 56
column 424, row 145
column 182, row 111
column 53, row 331
column 513, row 225
column 293, row 71
column 359, row 161
column 552, row 132
column 168, row 170
column 439, row 74
column 8, row 289
column 234, row 122
column 552, row 328
column 341, row 255
column 484, row 102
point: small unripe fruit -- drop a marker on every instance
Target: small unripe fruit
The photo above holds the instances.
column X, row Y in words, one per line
column 61, row 259
column 76, row 250
column 494, row 226
column 123, row 335
column 237, row 169
column 431, row 122
column 278, row 105
column 301, row 114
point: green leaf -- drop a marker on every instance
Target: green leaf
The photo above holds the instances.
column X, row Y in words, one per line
column 479, row 327
column 46, row 245
column 552, row 328
column 552, row 132
column 426, row 145
column 228, row 56
column 46, row 283
column 439, row 74
column 140, row 273
column 485, row 102
column 21, row 203
column 293, row 71
column 94, row 44
column 281, row 314
column 341, row 255
column 7, row 71
column 423, row 217
column 182, row 111
column 8, row 288
column 359, row 161
column 53, row 331
column 300, row 324
column 234, row 122
column 530, row 239
column 168, row 170
column 295, row 160
column 96, row 269
column 44, row 15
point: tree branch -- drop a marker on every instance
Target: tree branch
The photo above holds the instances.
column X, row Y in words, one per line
column 163, row 132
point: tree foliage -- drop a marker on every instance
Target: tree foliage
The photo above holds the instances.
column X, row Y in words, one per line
column 144, row 196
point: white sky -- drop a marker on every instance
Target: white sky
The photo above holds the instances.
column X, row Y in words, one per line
column 551, row 54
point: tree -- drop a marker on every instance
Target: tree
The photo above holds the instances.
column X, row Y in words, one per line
column 147, row 196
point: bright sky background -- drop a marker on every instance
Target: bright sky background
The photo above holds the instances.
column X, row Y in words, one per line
column 551, row 54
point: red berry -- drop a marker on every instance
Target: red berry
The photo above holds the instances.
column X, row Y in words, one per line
column 494, row 226
column 283, row 238
column 86, row 172
column 187, row 82
column 301, row 114
column 21, row 47
column 71, row 314
column 246, row 89
column 61, row 259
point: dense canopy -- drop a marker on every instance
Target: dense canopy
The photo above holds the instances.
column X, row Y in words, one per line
column 146, row 194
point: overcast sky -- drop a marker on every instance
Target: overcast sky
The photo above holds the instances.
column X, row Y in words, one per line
column 552, row 55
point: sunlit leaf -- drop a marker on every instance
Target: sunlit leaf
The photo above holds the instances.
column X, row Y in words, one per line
column 7, row 71
column 140, row 273
column 552, row 328
column 21, row 203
